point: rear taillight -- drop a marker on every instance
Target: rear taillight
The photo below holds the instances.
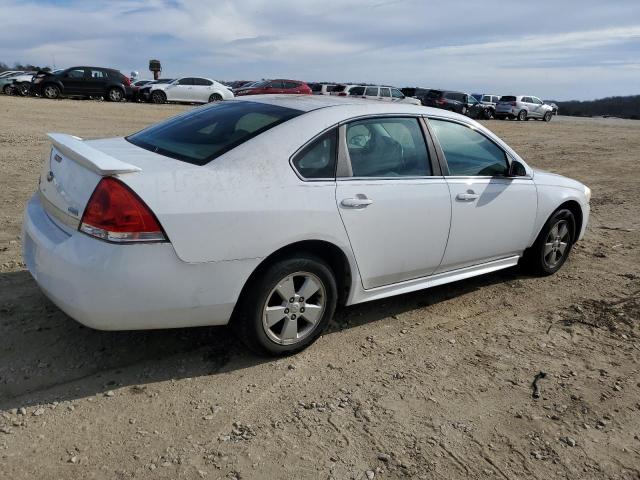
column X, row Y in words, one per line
column 440, row 101
column 116, row 214
column 126, row 80
column 342, row 94
column 513, row 104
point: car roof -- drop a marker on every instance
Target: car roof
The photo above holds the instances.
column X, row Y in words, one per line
column 308, row 103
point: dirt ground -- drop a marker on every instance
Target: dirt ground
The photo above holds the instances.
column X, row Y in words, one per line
column 433, row 384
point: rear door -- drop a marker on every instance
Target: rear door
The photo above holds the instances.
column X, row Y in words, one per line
column 371, row 92
column 96, row 82
column 202, row 89
column 385, row 94
column 394, row 203
column 492, row 215
column 276, row 86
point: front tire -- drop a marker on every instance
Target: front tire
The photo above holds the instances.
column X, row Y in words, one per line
column 158, row 97
column 51, row 91
column 488, row 114
column 553, row 245
column 24, row 88
column 547, row 116
column 287, row 306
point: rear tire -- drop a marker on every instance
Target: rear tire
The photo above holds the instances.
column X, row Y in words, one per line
column 24, row 88
column 7, row 89
column 158, row 96
column 271, row 324
column 215, row 97
column 51, row 91
column 553, row 245
column 522, row 115
column 488, row 114
column 114, row 94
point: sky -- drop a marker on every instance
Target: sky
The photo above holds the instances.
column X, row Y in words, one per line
column 553, row 49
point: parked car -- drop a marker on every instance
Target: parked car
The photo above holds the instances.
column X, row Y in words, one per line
column 322, row 88
column 383, row 93
column 489, row 101
column 6, row 82
column 277, row 86
column 343, row 90
column 553, row 105
column 22, row 83
column 523, row 108
column 135, row 89
column 458, row 102
column 7, row 73
column 415, row 92
column 208, row 217
column 108, row 83
column 189, row 90
column 144, row 92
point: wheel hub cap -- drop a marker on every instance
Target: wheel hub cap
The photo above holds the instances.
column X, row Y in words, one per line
column 556, row 244
column 294, row 307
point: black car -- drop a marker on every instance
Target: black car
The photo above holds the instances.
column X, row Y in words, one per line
column 415, row 92
column 459, row 102
column 144, row 93
column 83, row 82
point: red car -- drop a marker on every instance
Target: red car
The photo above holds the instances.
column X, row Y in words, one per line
column 275, row 86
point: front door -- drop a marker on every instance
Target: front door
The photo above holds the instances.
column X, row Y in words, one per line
column 492, row 215
column 395, row 210
column 74, row 81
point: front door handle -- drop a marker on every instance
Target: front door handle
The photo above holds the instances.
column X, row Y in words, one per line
column 469, row 196
column 360, row 201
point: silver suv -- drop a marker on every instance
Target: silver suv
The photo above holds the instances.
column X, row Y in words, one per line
column 523, row 108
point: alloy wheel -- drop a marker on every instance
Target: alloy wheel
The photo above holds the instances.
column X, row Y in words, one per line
column 115, row 95
column 556, row 243
column 50, row 91
column 294, row 307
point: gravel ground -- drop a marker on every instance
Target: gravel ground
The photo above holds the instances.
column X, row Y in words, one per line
column 433, row 384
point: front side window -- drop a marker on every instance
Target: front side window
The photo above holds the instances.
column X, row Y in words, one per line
column 76, row 73
column 469, row 153
column 200, row 135
column 185, row 81
column 387, row 147
column 318, row 159
column 536, row 100
column 471, row 100
column 276, row 84
column 395, row 93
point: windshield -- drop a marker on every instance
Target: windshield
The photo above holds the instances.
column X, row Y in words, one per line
column 203, row 134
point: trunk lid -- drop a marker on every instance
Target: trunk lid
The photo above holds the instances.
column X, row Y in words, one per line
column 70, row 173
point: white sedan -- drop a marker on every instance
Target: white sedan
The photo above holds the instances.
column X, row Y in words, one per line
column 269, row 211
column 190, row 90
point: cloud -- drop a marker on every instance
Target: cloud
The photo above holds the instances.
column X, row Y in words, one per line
column 569, row 49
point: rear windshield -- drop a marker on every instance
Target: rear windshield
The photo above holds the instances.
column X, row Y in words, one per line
column 203, row 134
column 507, row 98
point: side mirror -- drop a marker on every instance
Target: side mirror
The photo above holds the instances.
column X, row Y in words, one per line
column 516, row 169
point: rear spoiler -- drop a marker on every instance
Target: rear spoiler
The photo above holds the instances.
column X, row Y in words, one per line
column 80, row 152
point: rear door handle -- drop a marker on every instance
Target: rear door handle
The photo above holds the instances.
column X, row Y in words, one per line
column 360, row 201
column 467, row 197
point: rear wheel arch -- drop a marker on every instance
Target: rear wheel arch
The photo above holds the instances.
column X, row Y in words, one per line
column 330, row 253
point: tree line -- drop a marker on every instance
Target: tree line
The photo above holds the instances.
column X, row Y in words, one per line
column 624, row 107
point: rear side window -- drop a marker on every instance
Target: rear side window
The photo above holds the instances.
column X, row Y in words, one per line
column 356, row 91
column 200, row 135
column 387, row 147
column 315, row 87
column 318, row 159
column 202, row 81
column 339, row 88
column 371, row 92
column 76, row 73
column 469, row 153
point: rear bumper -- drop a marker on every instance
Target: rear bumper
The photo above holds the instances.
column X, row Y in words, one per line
column 506, row 111
column 127, row 287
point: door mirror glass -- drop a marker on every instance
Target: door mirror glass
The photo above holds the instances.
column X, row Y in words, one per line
column 516, row 169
